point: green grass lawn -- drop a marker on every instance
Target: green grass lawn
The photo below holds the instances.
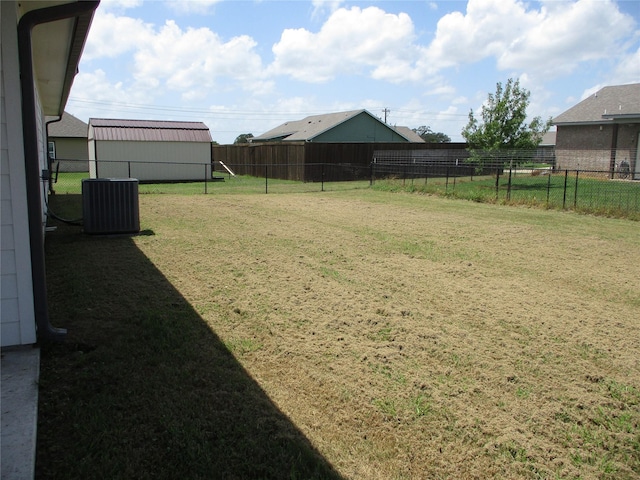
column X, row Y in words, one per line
column 356, row 334
column 588, row 195
column 71, row 183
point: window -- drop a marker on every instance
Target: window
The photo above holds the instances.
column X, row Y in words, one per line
column 52, row 150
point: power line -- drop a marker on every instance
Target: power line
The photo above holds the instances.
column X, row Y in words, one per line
column 270, row 114
column 166, row 108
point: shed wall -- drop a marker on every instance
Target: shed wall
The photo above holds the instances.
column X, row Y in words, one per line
column 149, row 161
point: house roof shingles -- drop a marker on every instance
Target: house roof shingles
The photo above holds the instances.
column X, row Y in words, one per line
column 310, row 127
column 68, row 127
column 608, row 103
column 149, row 130
column 409, row 134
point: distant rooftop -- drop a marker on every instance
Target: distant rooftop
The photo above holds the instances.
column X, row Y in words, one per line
column 68, row 127
column 307, row 128
column 312, row 126
column 409, row 134
column 606, row 105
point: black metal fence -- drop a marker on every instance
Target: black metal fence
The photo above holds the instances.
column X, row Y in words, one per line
column 216, row 177
column 583, row 190
column 591, row 191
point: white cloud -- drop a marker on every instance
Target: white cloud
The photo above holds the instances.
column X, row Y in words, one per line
column 551, row 41
column 200, row 7
column 482, row 32
column 319, row 6
column 192, row 59
column 627, row 70
column 118, row 5
column 567, row 34
column 96, row 86
column 189, row 61
column 111, row 35
column 349, row 42
column 93, row 91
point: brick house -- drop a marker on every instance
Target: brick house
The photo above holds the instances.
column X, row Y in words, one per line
column 601, row 132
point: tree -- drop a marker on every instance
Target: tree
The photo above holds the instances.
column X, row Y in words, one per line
column 243, row 138
column 430, row 136
column 503, row 133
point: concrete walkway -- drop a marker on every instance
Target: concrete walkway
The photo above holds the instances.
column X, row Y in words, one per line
column 20, row 372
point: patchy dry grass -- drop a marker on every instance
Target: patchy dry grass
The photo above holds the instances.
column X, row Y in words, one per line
column 357, row 334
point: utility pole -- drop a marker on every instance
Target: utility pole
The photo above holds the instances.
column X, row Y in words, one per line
column 386, row 110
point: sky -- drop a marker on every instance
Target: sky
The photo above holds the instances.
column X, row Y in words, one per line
column 248, row 66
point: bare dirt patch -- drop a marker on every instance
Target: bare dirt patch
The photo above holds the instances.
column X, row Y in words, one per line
column 413, row 337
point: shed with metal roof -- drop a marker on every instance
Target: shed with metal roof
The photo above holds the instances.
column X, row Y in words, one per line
column 149, row 150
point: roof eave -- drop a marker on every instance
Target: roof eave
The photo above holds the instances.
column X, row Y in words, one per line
column 603, row 121
column 61, row 42
column 623, row 117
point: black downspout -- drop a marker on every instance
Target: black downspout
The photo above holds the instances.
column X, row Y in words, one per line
column 32, row 165
column 49, row 159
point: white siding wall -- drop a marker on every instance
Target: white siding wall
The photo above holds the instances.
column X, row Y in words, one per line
column 42, row 159
column 92, row 153
column 17, row 318
column 163, row 160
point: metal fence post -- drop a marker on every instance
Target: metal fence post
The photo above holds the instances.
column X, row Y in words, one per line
column 509, row 184
column 266, row 178
column 497, row 184
column 446, row 184
column 548, row 188
column 564, row 196
column 575, row 192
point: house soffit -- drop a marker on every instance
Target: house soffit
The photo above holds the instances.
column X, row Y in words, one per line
column 56, row 50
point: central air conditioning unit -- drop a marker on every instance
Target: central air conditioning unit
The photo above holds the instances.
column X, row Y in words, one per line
column 110, row 205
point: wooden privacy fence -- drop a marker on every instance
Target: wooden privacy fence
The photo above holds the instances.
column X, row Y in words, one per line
column 299, row 160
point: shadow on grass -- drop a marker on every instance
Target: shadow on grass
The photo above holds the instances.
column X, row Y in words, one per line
column 142, row 388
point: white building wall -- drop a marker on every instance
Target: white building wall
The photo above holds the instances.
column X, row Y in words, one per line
column 17, row 317
column 42, row 160
column 92, row 153
column 148, row 161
